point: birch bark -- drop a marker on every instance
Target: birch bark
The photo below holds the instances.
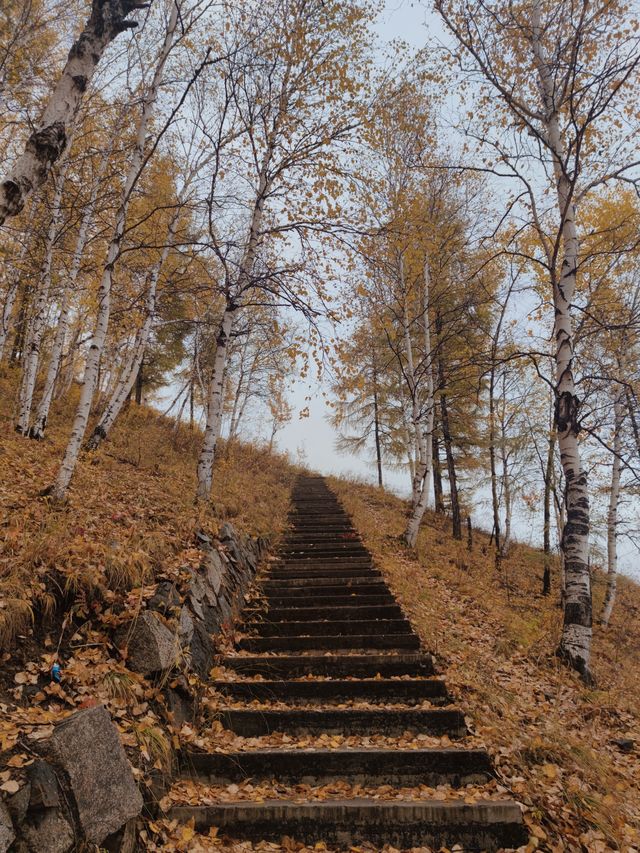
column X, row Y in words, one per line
column 46, row 144
column 130, row 372
column 426, row 431
column 37, row 431
column 575, row 644
column 96, row 346
column 36, row 327
column 214, row 405
column 612, row 515
column 14, row 283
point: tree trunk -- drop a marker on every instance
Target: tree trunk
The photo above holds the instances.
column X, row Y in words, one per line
column 575, row 644
column 376, row 425
column 495, row 504
column 46, row 144
column 506, row 478
column 426, row 436
column 55, row 359
column 214, row 406
column 612, row 516
column 33, row 343
column 96, row 346
column 139, row 382
column 438, row 495
column 14, row 282
column 133, row 371
column 548, row 477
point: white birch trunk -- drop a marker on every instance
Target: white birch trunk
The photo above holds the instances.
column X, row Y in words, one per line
column 426, row 443
column 96, row 346
column 215, row 399
column 575, row 644
column 55, row 359
column 35, row 334
column 612, row 516
column 46, row 144
column 130, row 372
column 239, row 415
column 214, row 406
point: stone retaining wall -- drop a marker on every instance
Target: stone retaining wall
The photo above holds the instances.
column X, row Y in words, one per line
column 81, row 791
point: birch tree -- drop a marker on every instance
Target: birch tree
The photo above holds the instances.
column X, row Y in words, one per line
column 293, row 95
column 562, row 73
column 99, row 335
column 47, row 142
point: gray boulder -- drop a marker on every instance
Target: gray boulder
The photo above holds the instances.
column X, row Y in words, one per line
column 152, row 647
column 49, row 830
column 96, row 772
column 7, row 834
column 214, row 570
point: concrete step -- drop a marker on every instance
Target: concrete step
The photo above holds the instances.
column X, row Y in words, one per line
column 377, row 690
column 332, row 666
column 301, row 598
column 487, row 826
column 295, row 537
column 328, row 583
column 329, row 643
column 329, row 627
column 324, row 549
column 314, row 614
column 456, row 767
column 344, row 721
column 285, row 573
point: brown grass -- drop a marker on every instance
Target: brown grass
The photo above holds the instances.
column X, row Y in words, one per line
column 129, row 512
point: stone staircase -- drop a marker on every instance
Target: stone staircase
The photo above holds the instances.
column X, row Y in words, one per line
column 328, row 617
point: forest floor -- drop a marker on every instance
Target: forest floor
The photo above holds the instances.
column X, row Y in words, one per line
column 130, row 520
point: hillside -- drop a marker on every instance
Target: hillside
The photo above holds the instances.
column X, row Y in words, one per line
column 130, row 521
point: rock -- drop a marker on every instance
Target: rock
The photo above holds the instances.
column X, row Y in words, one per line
column 97, row 774
column 7, row 833
column 197, row 594
column 165, row 598
column 44, row 786
column 202, row 650
column 152, row 647
column 49, row 830
column 180, row 706
column 18, row 805
column 214, row 570
column 203, row 539
column 123, row 841
column 227, row 531
column 624, row 744
column 185, row 627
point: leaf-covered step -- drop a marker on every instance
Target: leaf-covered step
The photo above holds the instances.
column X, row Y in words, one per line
column 384, row 721
column 354, row 610
column 456, row 767
column 333, row 666
column 329, row 643
column 325, row 600
column 329, row 627
column 337, row 572
column 375, row 690
column 487, row 826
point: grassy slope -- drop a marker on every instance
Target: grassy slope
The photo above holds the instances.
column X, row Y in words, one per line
column 495, row 637
column 130, row 518
column 130, row 511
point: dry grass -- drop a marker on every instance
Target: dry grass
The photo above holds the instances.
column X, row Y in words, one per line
column 495, row 637
column 129, row 513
